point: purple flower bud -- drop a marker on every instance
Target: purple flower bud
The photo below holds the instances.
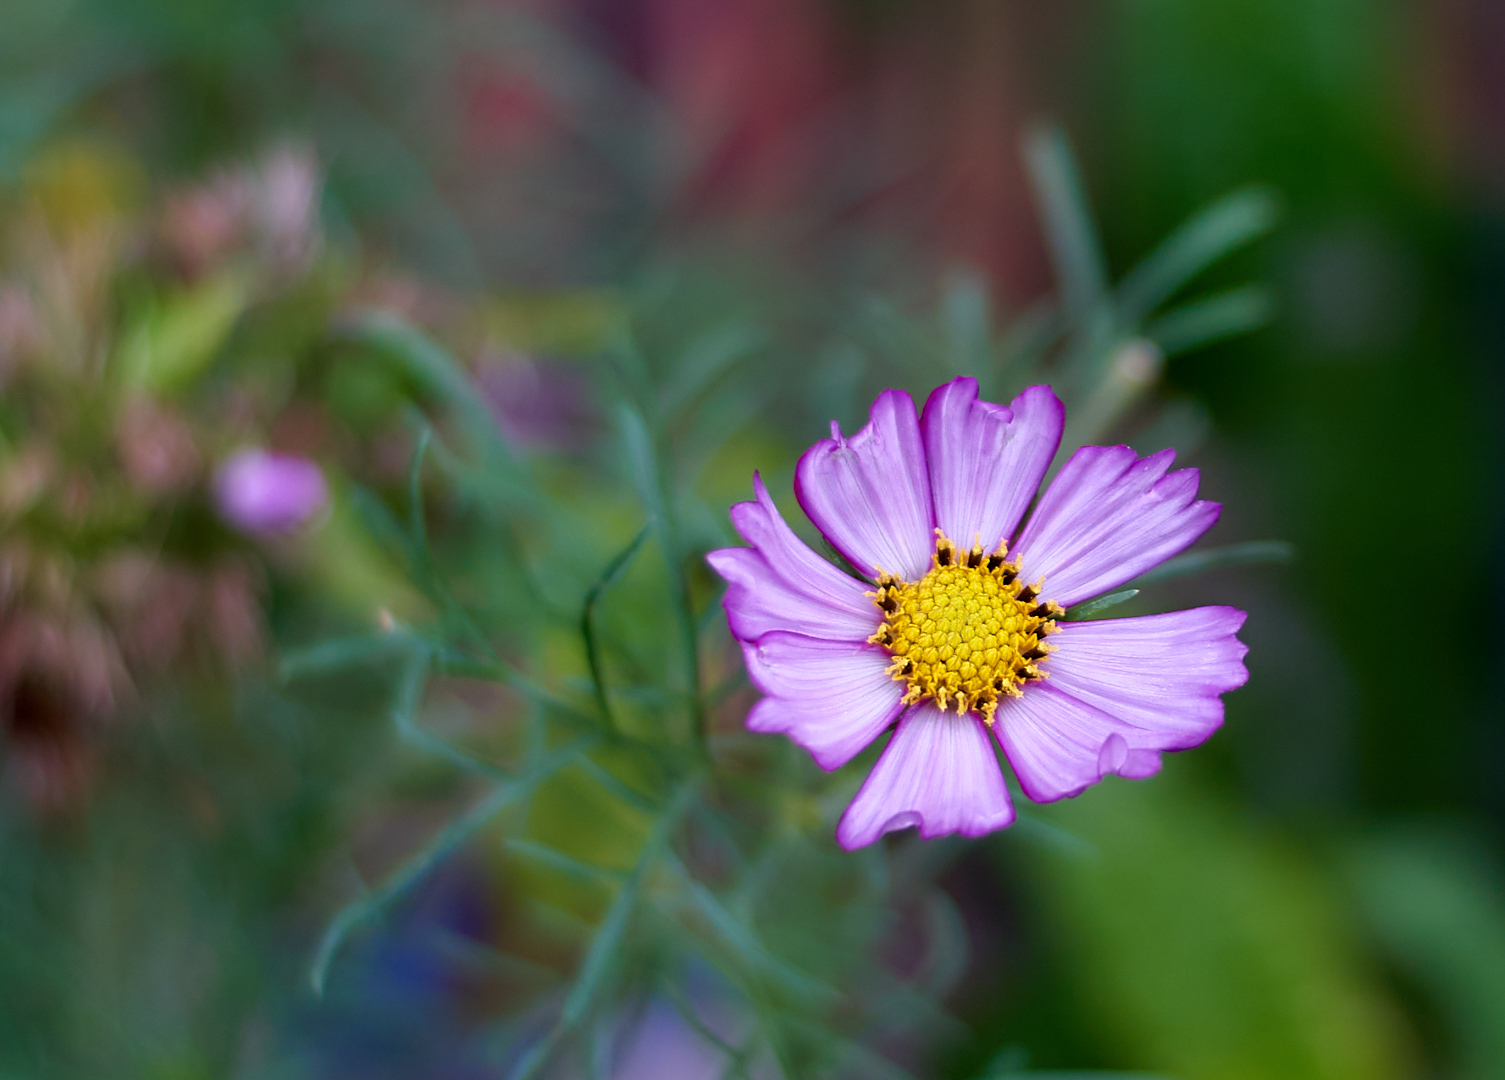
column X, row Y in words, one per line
column 538, row 404
column 261, row 492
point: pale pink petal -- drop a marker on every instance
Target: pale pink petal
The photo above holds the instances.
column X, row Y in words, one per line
column 780, row 584
column 1160, row 674
column 1108, row 517
column 938, row 772
column 1117, row 757
column 1118, row 693
column 1058, row 746
column 986, row 461
column 758, row 601
column 832, row 698
column 870, row 494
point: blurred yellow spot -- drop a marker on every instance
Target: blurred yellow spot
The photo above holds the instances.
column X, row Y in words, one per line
column 579, row 322
column 968, row 631
column 82, row 185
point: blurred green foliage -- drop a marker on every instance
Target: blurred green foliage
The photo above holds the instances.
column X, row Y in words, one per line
column 1208, row 949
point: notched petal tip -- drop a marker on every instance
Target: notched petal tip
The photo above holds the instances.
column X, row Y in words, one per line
column 1113, row 753
column 1108, row 517
column 1118, row 758
column 986, row 460
column 905, row 819
column 780, row 584
column 1121, row 693
column 870, row 494
column 938, row 772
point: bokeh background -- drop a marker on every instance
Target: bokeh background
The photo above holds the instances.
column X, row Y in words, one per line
column 448, row 251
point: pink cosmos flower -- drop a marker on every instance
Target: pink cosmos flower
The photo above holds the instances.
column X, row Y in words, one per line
column 261, row 492
column 965, row 610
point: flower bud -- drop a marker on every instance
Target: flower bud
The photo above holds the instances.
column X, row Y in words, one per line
column 261, row 492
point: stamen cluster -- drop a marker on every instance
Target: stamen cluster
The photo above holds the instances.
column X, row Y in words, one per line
column 969, row 631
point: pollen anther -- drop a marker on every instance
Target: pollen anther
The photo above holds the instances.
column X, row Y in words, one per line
column 968, row 631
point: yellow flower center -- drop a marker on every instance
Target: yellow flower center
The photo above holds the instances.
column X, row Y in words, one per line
column 969, row 631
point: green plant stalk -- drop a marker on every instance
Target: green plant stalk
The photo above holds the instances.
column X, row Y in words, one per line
column 640, row 450
column 614, row 570
column 608, row 939
column 416, row 869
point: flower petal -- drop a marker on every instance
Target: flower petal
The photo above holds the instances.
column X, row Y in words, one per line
column 1060, row 746
column 831, row 697
column 870, row 494
column 1108, row 517
column 986, row 461
column 1121, row 691
column 938, row 772
column 1159, row 674
column 780, row 584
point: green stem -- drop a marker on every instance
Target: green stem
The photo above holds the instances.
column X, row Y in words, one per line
column 449, row 839
column 640, row 449
column 614, row 570
column 608, row 939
